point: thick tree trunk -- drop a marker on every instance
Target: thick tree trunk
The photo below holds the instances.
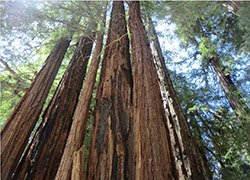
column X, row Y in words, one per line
column 16, row 132
column 152, row 151
column 189, row 162
column 109, row 152
column 159, row 133
column 77, row 131
column 43, row 158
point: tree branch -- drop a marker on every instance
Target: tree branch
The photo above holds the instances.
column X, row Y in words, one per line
column 8, row 68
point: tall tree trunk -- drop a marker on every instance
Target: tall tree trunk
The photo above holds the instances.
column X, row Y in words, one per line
column 184, row 146
column 42, row 160
column 231, row 91
column 152, row 155
column 163, row 145
column 234, row 97
column 17, row 130
column 77, row 131
column 109, row 152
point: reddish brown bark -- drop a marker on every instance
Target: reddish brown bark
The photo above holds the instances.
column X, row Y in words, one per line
column 152, row 148
column 109, row 152
column 43, row 158
column 16, row 132
column 77, row 131
column 189, row 161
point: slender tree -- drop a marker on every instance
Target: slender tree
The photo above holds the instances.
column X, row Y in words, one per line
column 161, row 147
column 42, row 159
column 234, row 97
column 77, row 131
column 109, row 152
column 17, row 129
column 231, row 91
column 218, row 35
column 202, row 28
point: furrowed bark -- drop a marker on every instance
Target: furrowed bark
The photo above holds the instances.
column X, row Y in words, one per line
column 189, row 162
column 152, row 148
column 43, row 158
column 78, row 165
column 109, row 151
column 77, row 131
column 16, row 131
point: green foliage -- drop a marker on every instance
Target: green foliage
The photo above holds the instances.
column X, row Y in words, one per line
column 14, row 82
column 7, row 105
column 206, row 48
column 197, row 107
column 29, row 30
column 244, row 23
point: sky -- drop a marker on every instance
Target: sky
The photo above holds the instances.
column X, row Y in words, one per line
column 170, row 42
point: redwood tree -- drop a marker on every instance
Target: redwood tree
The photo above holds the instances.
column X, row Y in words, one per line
column 110, row 153
column 152, row 155
column 77, row 131
column 17, row 129
column 234, row 97
column 231, row 91
column 43, row 157
column 183, row 145
column 163, row 147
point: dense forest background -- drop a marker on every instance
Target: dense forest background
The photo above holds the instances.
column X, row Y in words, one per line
column 205, row 45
